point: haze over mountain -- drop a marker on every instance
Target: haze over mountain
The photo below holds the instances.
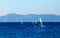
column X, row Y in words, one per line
column 30, row 18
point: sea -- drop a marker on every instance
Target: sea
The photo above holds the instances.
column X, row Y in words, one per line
column 29, row 30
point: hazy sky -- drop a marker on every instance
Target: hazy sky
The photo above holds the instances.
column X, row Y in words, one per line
column 30, row 6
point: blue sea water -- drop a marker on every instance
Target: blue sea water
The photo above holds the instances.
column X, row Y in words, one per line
column 29, row 30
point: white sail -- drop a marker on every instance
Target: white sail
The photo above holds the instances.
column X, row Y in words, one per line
column 21, row 22
column 35, row 21
column 41, row 24
column 40, row 20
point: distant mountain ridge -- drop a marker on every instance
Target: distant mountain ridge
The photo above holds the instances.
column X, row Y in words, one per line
column 30, row 18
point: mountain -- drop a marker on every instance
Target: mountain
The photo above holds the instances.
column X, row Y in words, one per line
column 30, row 18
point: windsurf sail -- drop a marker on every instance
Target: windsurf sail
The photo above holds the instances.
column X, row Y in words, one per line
column 41, row 23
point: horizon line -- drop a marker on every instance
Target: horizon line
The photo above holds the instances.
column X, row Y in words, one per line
column 27, row 14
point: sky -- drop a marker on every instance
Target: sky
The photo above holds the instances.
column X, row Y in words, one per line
column 29, row 7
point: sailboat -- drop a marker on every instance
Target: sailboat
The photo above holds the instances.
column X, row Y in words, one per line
column 34, row 22
column 21, row 22
column 41, row 23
